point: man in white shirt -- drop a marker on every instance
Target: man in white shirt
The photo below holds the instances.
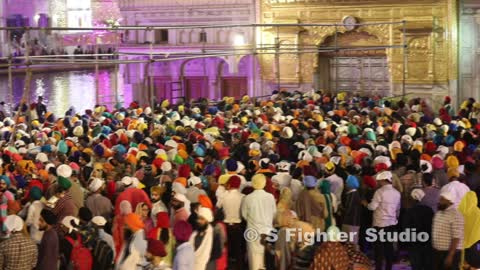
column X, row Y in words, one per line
column 455, row 187
column 258, row 209
column 231, row 203
column 99, row 223
column 158, row 206
column 386, row 208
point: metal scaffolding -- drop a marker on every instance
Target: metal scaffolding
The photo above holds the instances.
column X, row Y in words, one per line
column 163, row 54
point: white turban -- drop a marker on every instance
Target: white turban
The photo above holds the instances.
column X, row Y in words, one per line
column 206, row 213
column 96, row 184
column 14, row 223
column 418, row 194
column 70, row 222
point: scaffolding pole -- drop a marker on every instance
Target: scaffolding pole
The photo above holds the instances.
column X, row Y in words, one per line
column 165, row 27
column 405, row 59
column 277, row 59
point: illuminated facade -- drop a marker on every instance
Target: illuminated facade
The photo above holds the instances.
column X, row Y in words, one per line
column 431, row 36
column 211, row 77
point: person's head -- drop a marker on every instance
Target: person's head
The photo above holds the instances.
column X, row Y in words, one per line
column 125, row 207
column 4, row 183
column 156, row 193
column 417, row 194
column 14, row 224
column 182, row 231
column 99, row 222
column 47, row 220
column 310, row 182
column 69, row 224
column 142, row 210
column 205, row 217
column 133, row 224
column 85, row 215
column 234, row 182
column 259, row 181
column 446, row 200
column 155, row 251
column 178, row 201
column 60, row 192
column 64, row 183
column 384, row 178
column 428, row 179
column 96, row 185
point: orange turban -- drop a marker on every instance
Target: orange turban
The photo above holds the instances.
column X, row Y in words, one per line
column 181, row 180
column 205, row 201
column 134, row 222
column 43, row 174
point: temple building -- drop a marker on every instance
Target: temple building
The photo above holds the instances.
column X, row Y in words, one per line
column 421, row 48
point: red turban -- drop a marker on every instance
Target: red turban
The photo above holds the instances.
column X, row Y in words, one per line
column 156, row 248
column 163, row 221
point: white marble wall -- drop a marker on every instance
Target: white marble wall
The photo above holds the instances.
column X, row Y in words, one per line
column 469, row 59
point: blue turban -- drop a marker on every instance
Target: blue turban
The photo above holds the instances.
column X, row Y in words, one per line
column 212, row 110
column 449, row 140
column 310, row 181
column 62, row 147
column 209, row 169
column 47, row 148
column 5, row 179
column 200, row 150
column 120, row 149
column 98, row 150
column 352, row 182
column 231, row 165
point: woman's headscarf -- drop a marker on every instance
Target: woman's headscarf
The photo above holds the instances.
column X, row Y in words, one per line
column 470, row 211
column 325, row 188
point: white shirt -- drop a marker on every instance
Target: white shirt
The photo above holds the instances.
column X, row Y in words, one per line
column 385, row 206
column 231, row 203
column 336, row 187
column 458, row 189
column 258, row 209
column 33, row 216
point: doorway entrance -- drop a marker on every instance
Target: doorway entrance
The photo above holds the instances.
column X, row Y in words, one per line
column 353, row 69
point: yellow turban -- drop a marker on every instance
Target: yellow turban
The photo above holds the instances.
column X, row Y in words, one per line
column 259, row 181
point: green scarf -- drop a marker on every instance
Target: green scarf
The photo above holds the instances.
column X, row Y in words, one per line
column 325, row 189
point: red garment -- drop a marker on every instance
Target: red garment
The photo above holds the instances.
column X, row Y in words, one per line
column 117, row 234
column 134, row 196
column 222, row 262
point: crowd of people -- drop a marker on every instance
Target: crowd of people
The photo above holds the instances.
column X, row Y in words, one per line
column 221, row 186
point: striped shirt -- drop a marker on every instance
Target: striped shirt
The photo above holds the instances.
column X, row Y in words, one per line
column 447, row 225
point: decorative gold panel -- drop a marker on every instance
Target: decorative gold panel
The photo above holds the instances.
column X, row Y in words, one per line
column 430, row 34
